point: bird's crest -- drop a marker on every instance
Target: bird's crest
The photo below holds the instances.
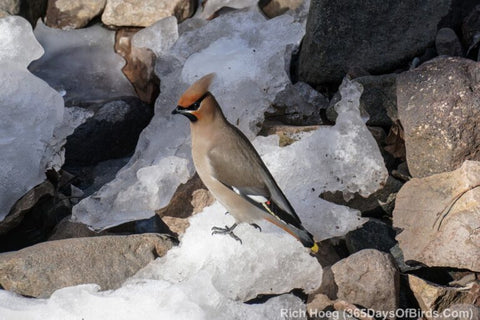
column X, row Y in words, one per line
column 196, row 90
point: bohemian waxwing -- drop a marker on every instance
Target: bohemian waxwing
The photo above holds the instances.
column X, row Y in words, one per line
column 231, row 168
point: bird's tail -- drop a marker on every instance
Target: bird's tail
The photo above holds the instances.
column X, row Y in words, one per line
column 301, row 234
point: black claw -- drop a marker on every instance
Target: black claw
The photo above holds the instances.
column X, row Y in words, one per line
column 227, row 230
column 226, row 212
column 256, row 226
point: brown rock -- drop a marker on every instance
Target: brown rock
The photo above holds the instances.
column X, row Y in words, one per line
column 25, row 204
column 39, row 270
column 143, row 13
column 432, row 297
column 274, row 8
column 139, row 67
column 440, row 219
column 368, row 278
column 439, row 108
column 67, row 14
column 67, row 229
column 189, row 198
column 288, row 134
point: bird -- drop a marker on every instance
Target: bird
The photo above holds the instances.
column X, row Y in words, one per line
column 232, row 169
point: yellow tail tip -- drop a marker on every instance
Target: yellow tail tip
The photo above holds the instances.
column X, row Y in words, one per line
column 314, row 248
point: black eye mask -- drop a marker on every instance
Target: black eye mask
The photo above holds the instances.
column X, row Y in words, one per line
column 193, row 107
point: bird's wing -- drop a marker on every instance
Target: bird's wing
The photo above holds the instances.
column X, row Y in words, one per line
column 239, row 167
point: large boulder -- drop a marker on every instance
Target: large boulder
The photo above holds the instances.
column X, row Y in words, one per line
column 439, row 108
column 368, row 278
column 440, row 219
column 65, row 14
column 344, row 34
column 111, row 133
column 143, row 13
column 108, row 261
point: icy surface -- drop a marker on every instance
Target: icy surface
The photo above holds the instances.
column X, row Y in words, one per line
column 146, row 300
column 30, row 111
column 267, row 262
column 82, row 63
column 223, row 45
column 18, row 43
column 158, row 37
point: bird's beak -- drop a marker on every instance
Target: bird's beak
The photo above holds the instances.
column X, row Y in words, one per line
column 178, row 110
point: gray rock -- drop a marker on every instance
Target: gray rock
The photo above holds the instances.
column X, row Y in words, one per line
column 440, row 219
column 143, row 13
column 65, row 14
column 108, row 261
column 471, row 26
column 342, row 34
column 439, row 108
column 447, row 43
column 67, row 229
column 368, row 278
column 111, row 133
column 373, row 234
column 298, row 104
column 11, row 7
column 25, row 204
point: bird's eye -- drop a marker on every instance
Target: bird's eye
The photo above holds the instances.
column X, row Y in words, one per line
column 195, row 105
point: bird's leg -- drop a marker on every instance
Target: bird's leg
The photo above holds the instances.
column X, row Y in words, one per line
column 227, row 230
column 256, row 226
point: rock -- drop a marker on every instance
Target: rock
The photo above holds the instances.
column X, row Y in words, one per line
column 447, row 43
column 373, row 234
column 111, row 133
column 139, row 67
column 273, row 8
column 379, row 99
column 471, row 26
column 378, row 102
column 39, row 270
column 30, row 10
column 432, row 297
column 25, row 204
column 189, row 198
column 298, row 104
column 341, row 35
column 440, row 220
column 65, row 14
column 368, row 278
column 143, row 13
column 67, row 229
column 461, row 312
column 439, row 108
column 287, row 134
column 381, row 201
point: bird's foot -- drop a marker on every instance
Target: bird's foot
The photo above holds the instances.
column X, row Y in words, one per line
column 256, row 226
column 227, row 230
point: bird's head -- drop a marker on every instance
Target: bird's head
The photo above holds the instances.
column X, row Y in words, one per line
column 197, row 102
